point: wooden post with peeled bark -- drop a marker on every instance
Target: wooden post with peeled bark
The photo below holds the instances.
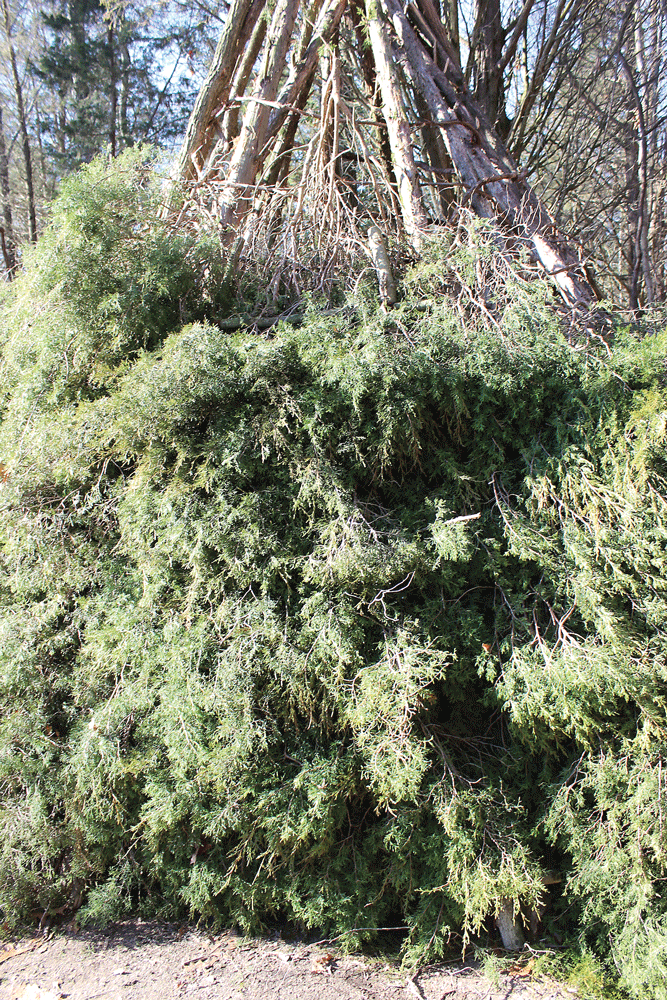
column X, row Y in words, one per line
column 380, row 258
column 509, row 926
column 398, row 128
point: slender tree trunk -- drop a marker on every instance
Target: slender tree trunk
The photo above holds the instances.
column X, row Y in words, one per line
column 638, row 192
column 113, row 102
column 658, row 234
column 368, row 71
column 125, row 63
column 651, row 64
column 488, row 38
column 23, row 126
column 632, row 248
column 451, row 21
column 9, row 247
column 48, row 186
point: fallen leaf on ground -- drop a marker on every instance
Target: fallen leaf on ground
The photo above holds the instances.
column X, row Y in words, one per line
column 523, row 971
column 322, row 963
column 10, row 951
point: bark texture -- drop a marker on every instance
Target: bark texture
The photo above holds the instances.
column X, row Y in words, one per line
column 23, row 126
column 398, row 128
column 8, row 245
column 509, row 927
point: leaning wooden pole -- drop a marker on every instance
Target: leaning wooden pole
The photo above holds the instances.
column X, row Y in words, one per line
column 236, row 192
column 398, row 128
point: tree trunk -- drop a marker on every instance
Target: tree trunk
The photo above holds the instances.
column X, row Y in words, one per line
column 451, row 23
column 636, row 171
column 113, row 102
column 125, row 63
column 9, row 247
column 509, row 926
column 23, row 126
column 487, row 42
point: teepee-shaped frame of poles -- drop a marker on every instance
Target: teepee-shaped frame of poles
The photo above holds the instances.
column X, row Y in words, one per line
column 320, row 122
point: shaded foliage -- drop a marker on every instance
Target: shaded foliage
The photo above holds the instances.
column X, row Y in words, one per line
column 352, row 624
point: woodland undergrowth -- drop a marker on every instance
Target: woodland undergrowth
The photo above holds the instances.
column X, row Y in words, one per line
column 353, row 624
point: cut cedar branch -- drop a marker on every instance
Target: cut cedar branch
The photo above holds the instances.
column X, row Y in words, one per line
column 318, row 122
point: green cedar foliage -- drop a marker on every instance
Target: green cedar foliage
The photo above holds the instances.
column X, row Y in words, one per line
column 352, row 624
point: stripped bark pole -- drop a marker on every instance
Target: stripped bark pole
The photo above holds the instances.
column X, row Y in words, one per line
column 398, row 128
column 231, row 127
column 380, row 258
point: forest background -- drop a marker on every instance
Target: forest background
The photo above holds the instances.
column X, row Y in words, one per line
column 331, row 595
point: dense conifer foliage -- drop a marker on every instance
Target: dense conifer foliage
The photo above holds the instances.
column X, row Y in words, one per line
column 355, row 624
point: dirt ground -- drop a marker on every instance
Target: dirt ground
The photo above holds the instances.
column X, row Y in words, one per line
column 134, row 960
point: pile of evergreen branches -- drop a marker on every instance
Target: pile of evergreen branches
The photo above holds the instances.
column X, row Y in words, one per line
column 355, row 624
